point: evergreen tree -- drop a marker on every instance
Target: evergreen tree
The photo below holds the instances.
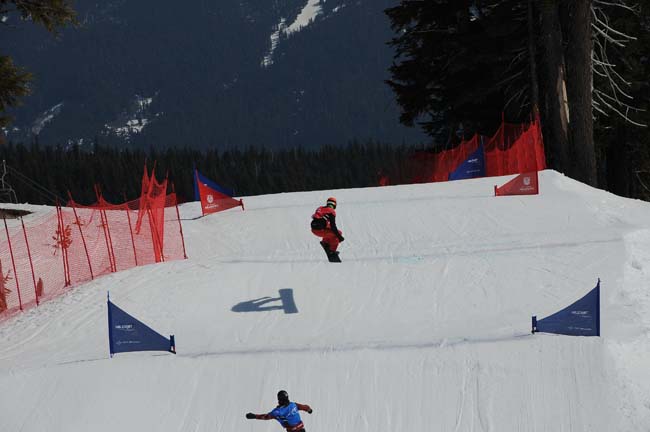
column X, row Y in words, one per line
column 450, row 67
column 457, row 63
column 43, row 175
column 51, row 14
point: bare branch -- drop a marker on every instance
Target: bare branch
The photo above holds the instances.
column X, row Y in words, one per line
column 604, row 34
column 601, row 99
column 619, row 3
column 641, row 181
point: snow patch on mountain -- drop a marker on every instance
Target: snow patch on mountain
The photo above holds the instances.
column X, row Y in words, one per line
column 133, row 120
column 307, row 15
column 42, row 120
column 275, row 38
column 7, row 131
column 76, row 142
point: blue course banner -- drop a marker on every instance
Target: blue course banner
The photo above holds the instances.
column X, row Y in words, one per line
column 473, row 167
column 581, row 318
column 127, row 334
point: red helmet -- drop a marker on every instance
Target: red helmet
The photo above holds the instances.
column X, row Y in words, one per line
column 331, row 202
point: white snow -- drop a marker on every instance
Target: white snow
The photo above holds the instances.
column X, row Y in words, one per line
column 424, row 326
column 79, row 142
column 132, row 121
column 45, row 118
column 7, row 131
column 306, row 16
column 275, row 38
column 132, row 126
column 143, row 102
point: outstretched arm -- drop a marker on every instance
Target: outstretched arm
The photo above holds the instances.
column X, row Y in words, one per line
column 302, row 407
column 252, row 416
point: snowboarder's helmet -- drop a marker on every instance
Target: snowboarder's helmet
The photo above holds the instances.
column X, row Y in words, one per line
column 283, row 397
column 331, row 202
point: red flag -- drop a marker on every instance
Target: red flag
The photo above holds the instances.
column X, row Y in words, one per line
column 523, row 184
column 213, row 201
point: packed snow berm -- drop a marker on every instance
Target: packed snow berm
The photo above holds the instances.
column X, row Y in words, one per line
column 425, row 326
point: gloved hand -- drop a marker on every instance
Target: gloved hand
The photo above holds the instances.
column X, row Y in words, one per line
column 341, row 238
column 310, row 410
column 250, row 416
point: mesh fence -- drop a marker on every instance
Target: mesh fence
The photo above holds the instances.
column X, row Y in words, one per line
column 70, row 245
column 513, row 149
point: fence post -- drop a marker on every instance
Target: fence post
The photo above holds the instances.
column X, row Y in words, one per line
column 65, row 248
column 128, row 217
column 83, row 239
column 153, row 239
column 178, row 216
column 13, row 263
column 58, row 240
column 64, row 255
column 110, row 242
column 157, row 250
column 104, row 225
column 31, row 264
column 108, row 249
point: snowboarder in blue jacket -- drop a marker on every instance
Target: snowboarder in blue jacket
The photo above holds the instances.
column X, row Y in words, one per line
column 286, row 413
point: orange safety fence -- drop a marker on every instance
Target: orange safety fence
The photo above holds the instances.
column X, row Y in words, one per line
column 513, row 149
column 70, row 245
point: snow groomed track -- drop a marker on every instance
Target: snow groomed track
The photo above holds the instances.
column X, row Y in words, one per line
column 424, row 326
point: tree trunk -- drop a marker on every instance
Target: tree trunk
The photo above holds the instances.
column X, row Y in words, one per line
column 579, row 86
column 532, row 55
column 556, row 115
column 618, row 170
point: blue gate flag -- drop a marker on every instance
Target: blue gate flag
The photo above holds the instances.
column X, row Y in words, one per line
column 582, row 318
column 473, row 167
column 127, row 334
column 209, row 183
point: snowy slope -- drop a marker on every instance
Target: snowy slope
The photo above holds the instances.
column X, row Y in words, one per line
column 424, row 326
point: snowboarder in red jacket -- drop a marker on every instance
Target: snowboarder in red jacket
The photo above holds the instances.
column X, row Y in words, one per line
column 323, row 224
column 286, row 413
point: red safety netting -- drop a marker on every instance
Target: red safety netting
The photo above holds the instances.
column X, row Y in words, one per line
column 75, row 244
column 151, row 210
column 513, row 149
column 33, row 261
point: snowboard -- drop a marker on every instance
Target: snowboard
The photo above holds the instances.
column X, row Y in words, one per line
column 331, row 256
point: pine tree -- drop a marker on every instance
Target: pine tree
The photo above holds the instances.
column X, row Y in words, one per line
column 14, row 81
column 449, row 68
column 456, row 63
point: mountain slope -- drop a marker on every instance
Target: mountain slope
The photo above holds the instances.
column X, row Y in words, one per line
column 235, row 74
column 425, row 325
